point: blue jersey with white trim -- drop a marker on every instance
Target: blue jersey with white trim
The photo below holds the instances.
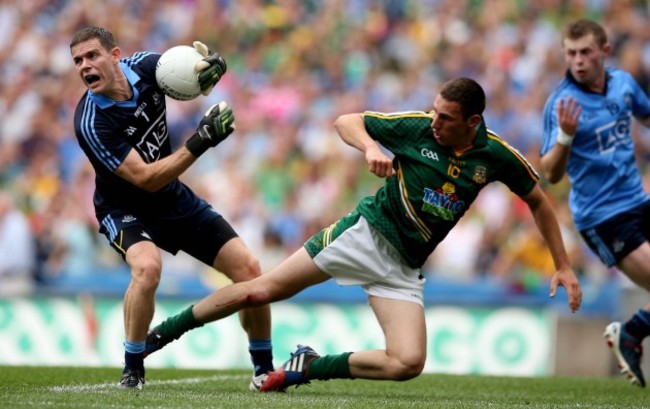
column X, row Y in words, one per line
column 602, row 170
column 107, row 130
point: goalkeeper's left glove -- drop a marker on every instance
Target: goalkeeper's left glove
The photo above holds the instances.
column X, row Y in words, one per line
column 210, row 69
column 215, row 126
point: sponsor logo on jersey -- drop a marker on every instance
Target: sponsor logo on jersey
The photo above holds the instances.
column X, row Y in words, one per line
column 153, row 139
column 443, row 202
column 613, row 134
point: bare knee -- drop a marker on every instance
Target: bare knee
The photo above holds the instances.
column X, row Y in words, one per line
column 406, row 366
column 145, row 274
column 247, row 269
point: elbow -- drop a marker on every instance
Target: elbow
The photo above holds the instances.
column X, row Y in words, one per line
column 149, row 184
column 348, row 121
column 339, row 123
column 552, row 177
column 551, row 171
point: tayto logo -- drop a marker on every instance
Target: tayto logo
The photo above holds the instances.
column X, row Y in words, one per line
column 442, row 202
column 429, row 154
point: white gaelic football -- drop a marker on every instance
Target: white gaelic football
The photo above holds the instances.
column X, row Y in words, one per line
column 175, row 72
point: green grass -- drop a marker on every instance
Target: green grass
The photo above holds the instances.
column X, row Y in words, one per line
column 57, row 387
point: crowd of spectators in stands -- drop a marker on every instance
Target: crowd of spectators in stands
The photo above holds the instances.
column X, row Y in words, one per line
column 294, row 66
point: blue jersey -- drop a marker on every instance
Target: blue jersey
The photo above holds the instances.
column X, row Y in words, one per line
column 107, row 130
column 602, row 170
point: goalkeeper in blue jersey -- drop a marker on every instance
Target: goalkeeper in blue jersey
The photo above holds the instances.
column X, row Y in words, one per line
column 141, row 205
column 441, row 162
column 587, row 135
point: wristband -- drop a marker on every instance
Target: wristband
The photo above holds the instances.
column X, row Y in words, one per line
column 196, row 145
column 563, row 138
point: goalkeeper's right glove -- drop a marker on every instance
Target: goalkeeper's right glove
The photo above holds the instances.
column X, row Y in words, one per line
column 215, row 126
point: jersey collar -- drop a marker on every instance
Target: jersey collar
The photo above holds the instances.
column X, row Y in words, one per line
column 104, row 102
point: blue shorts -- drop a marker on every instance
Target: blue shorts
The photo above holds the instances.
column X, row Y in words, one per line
column 617, row 237
column 201, row 235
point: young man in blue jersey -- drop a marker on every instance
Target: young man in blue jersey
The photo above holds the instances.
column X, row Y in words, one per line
column 441, row 162
column 140, row 204
column 587, row 135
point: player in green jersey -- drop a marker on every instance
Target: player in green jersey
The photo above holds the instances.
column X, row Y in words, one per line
column 440, row 163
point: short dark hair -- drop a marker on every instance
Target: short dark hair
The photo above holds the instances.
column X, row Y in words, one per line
column 584, row 27
column 467, row 93
column 104, row 36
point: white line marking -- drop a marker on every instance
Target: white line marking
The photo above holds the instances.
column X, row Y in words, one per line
column 102, row 386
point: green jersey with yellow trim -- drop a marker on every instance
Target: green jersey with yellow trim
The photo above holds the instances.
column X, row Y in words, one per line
column 434, row 186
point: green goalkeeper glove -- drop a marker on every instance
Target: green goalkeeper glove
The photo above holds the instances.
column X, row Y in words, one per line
column 210, row 69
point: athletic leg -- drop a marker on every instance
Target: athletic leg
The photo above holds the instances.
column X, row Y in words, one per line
column 139, row 304
column 239, row 264
column 289, row 278
column 625, row 339
column 404, row 327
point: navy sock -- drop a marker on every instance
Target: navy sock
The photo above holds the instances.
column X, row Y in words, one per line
column 134, row 355
column 261, row 355
column 639, row 325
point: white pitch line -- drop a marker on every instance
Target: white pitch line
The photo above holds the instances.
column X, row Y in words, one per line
column 102, row 386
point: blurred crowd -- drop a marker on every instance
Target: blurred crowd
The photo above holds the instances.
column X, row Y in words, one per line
column 293, row 67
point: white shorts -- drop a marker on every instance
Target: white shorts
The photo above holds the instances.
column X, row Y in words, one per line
column 362, row 256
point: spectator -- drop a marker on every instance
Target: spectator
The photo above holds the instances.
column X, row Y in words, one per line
column 346, row 56
column 17, row 249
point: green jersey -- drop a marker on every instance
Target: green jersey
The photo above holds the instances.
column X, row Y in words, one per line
column 434, row 185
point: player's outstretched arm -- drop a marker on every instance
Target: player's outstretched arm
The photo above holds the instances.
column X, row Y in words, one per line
column 547, row 224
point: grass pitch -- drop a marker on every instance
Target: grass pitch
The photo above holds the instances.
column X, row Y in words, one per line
column 59, row 387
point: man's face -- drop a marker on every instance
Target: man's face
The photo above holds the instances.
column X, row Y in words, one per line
column 585, row 59
column 450, row 129
column 95, row 65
